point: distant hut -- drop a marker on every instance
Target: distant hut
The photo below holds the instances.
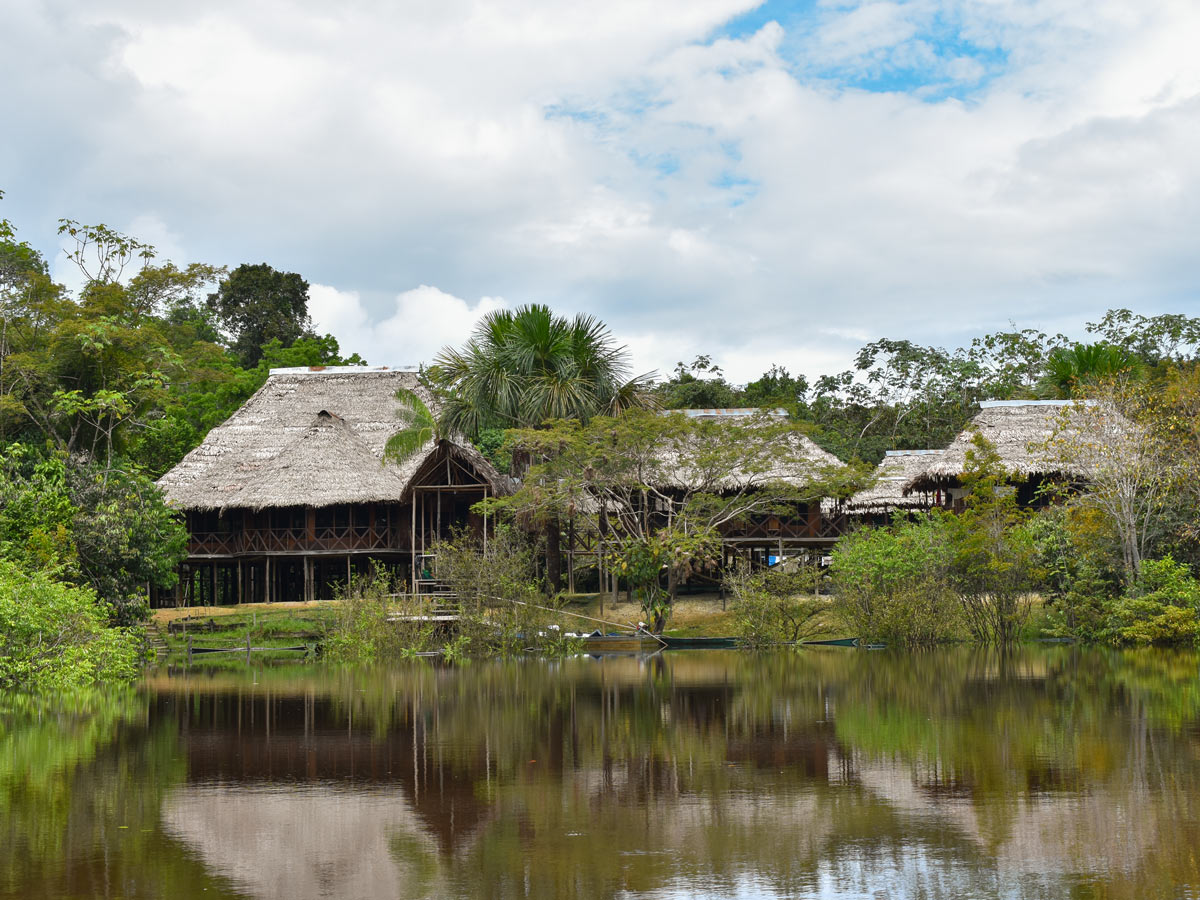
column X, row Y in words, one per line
column 1020, row 430
column 292, row 496
column 898, row 467
column 768, row 537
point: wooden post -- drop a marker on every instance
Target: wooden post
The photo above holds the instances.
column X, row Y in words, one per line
column 571, row 555
column 412, row 544
column 307, row 579
column 347, row 572
column 600, row 572
column 247, row 649
column 189, row 644
column 241, row 584
column 213, row 581
column 267, row 579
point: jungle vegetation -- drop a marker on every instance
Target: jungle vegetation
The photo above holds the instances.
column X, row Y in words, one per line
column 105, row 387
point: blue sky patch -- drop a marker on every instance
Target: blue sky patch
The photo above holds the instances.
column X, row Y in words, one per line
column 929, row 55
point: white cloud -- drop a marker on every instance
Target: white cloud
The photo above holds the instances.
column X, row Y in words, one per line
column 699, row 195
column 420, row 323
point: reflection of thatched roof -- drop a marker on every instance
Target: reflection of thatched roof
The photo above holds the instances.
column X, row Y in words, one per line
column 793, row 458
column 897, row 469
column 308, row 438
column 1019, row 430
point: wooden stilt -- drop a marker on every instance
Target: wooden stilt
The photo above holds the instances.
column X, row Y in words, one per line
column 412, row 543
column 571, row 554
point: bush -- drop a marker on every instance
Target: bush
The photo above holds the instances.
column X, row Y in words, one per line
column 497, row 591
column 53, row 636
column 890, row 584
column 1161, row 606
column 373, row 621
column 774, row 606
column 1082, row 611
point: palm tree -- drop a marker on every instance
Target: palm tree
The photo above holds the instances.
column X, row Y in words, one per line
column 519, row 369
column 1070, row 369
column 523, row 367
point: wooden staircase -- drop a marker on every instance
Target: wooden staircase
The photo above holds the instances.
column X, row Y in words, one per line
column 156, row 640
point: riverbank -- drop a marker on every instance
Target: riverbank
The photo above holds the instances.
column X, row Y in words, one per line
column 289, row 624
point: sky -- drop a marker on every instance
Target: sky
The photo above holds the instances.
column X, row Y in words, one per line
column 765, row 183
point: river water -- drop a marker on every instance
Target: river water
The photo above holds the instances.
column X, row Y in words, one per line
column 832, row 773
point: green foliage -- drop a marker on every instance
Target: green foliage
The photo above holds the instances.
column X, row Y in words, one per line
column 125, row 538
column 643, row 559
column 36, row 511
column 777, row 605
column 102, row 527
column 1171, row 337
column 492, row 443
column 53, row 636
column 993, row 566
column 892, row 584
column 374, row 621
column 526, row 366
column 1076, row 574
column 701, row 385
column 1161, row 607
column 497, row 591
column 419, row 427
column 257, row 304
column 1071, row 371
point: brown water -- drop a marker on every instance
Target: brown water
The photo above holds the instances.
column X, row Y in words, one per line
column 832, row 773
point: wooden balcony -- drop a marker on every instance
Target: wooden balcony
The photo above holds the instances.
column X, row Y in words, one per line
column 814, row 527
column 331, row 539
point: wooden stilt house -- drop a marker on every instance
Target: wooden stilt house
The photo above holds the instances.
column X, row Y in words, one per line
column 1022, row 432
column 292, row 496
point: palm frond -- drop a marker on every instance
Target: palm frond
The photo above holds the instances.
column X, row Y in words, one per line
column 419, row 427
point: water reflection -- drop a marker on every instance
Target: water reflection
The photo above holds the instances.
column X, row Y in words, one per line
column 838, row 773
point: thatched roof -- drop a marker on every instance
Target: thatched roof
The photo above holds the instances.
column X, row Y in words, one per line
column 897, row 469
column 1019, row 430
column 310, row 437
column 794, row 458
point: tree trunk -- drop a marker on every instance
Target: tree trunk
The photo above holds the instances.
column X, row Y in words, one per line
column 554, row 554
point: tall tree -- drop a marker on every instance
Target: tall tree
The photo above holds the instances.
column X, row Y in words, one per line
column 257, row 304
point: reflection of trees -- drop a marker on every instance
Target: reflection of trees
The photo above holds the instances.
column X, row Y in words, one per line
column 81, row 785
column 583, row 778
column 949, row 774
column 1063, row 761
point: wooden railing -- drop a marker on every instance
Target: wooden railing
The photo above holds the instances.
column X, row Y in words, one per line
column 294, row 540
column 815, row 526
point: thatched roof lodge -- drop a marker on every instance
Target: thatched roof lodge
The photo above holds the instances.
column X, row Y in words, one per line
column 297, row 475
column 1021, row 431
column 896, row 470
column 310, row 436
column 794, row 459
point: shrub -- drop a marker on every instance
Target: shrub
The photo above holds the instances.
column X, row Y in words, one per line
column 994, row 557
column 497, row 592
column 1161, row 606
column 777, row 605
column 890, row 584
column 373, row 621
column 53, row 635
